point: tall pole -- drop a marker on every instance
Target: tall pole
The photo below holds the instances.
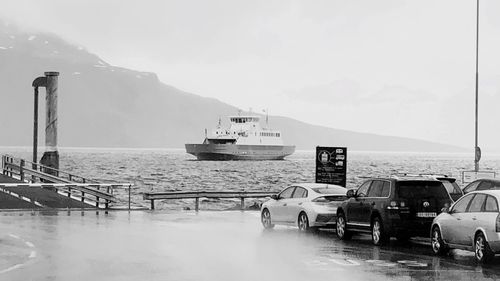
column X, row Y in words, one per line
column 38, row 82
column 35, row 127
column 50, row 157
column 477, row 150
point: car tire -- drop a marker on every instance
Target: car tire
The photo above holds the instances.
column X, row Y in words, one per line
column 303, row 222
column 438, row 245
column 342, row 232
column 265, row 218
column 482, row 250
column 379, row 236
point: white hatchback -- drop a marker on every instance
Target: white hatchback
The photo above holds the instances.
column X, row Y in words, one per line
column 306, row 205
column 471, row 223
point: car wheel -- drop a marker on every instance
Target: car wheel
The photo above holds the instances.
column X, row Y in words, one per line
column 482, row 250
column 378, row 234
column 342, row 232
column 303, row 222
column 439, row 247
column 265, row 218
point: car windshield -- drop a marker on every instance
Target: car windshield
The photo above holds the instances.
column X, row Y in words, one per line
column 421, row 189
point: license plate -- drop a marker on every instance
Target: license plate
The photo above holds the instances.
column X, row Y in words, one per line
column 426, row 214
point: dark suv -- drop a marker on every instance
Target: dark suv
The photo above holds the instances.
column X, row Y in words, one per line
column 400, row 206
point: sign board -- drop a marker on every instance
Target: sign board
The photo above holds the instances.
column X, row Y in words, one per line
column 331, row 165
column 470, row 176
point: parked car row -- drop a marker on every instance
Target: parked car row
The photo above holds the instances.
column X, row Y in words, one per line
column 400, row 206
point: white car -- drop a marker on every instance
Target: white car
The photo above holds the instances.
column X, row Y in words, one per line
column 306, row 205
column 471, row 223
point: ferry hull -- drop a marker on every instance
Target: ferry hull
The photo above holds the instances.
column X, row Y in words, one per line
column 239, row 152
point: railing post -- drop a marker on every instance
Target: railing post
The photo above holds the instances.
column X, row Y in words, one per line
column 242, row 203
column 97, row 202
column 129, row 188
column 69, row 191
column 11, row 162
column 21, row 169
column 197, row 204
column 152, row 204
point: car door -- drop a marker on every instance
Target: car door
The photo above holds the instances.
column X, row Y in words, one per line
column 357, row 204
column 295, row 204
column 470, row 220
column 452, row 225
column 488, row 218
column 374, row 196
column 279, row 210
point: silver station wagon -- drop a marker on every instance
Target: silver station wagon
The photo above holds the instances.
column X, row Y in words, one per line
column 471, row 223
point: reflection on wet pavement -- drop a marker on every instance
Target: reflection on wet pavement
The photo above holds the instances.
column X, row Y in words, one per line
column 94, row 245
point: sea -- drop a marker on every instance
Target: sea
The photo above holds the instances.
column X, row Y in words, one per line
column 160, row 170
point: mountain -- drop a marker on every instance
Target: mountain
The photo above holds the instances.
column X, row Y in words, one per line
column 101, row 105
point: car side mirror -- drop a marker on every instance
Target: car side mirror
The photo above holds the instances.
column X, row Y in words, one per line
column 350, row 193
column 275, row 197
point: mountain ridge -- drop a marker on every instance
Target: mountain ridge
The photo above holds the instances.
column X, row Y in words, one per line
column 101, row 105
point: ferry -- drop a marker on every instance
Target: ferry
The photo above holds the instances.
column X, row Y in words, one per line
column 244, row 139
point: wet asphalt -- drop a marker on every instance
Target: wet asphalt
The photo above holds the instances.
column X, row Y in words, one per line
column 229, row 245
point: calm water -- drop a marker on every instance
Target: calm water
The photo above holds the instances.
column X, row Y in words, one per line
column 174, row 170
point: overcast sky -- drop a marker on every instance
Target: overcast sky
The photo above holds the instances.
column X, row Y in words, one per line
column 392, row 67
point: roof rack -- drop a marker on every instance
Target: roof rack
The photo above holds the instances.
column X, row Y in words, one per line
column 404, row 174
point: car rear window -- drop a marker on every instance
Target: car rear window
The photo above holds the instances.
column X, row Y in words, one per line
column 326, row 190
column 421, row 189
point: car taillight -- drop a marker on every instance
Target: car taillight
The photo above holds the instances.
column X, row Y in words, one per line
column 498, row 223
column 321, row 200
column 396, row 205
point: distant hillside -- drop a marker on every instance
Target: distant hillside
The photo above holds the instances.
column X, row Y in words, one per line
column 101, row 105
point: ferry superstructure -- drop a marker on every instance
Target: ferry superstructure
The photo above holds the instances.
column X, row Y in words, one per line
column 244, row 139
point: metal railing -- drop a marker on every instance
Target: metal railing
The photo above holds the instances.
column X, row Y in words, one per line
column 152, row 196
column 12, row 166
column 74, row 186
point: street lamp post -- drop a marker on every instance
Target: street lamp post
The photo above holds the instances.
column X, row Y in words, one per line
column 477, row 154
